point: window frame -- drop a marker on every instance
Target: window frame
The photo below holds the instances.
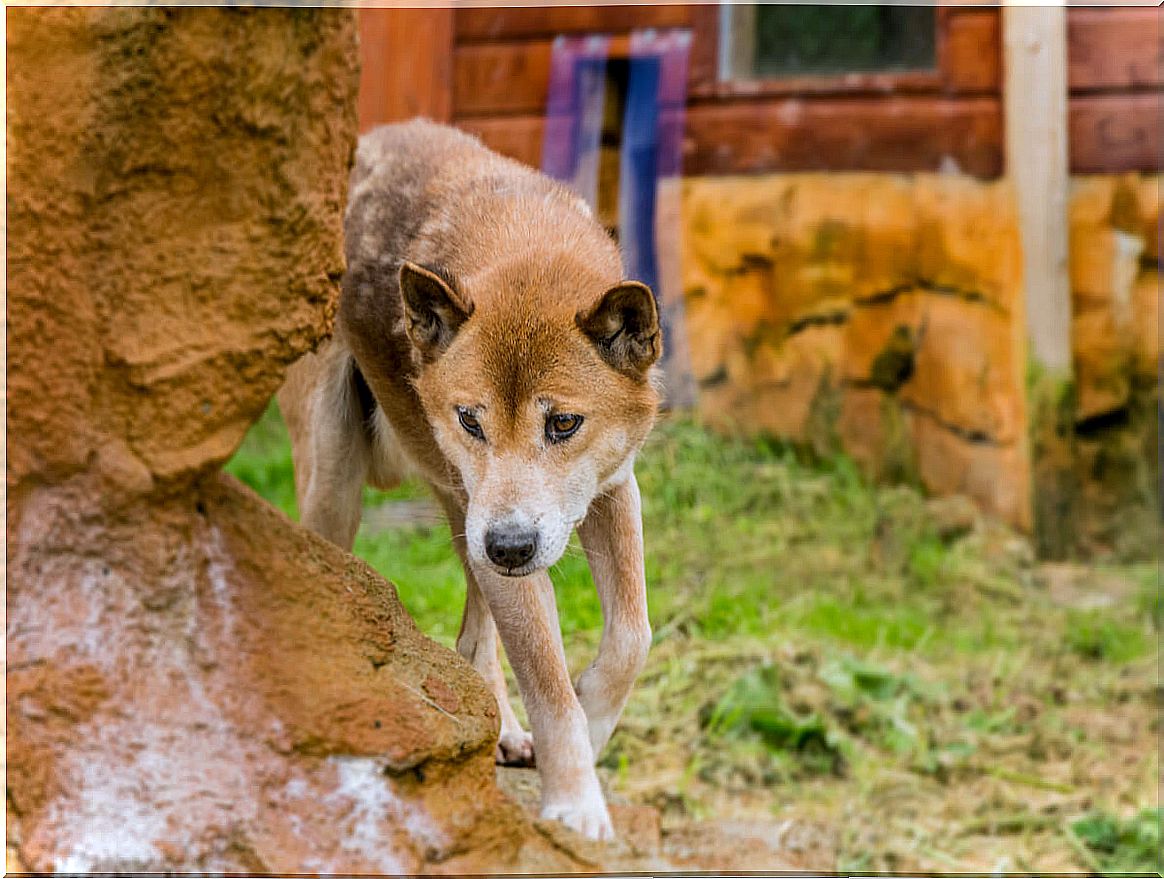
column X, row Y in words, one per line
column 712, row 36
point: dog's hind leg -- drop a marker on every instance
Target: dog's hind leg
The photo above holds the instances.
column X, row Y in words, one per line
column 479, row 644
column 330, row 442
column 612, row 535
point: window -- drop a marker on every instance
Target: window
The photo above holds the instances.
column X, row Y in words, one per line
column 778, row 41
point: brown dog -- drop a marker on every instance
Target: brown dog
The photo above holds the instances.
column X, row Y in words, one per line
column 486, row 339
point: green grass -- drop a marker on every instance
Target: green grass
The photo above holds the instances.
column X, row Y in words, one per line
column 812, row 629
column 1095, row 635
column 1131, row 846
column 743, row 538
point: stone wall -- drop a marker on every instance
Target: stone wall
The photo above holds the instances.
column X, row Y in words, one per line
column 883, row 316
column 1095, row 448
column 876, row 314
column 1115, row 287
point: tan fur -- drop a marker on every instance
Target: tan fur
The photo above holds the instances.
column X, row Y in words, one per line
column 478, row 289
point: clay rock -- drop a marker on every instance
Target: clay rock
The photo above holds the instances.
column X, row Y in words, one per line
column 952, row 517
column 197, row 685
column 1114, row 288
column 869, row 311
column 168, row 170
column 1146, row 324
column 194, row 682
column 962, row 369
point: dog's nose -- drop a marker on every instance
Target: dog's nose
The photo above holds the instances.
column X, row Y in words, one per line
column 510, row 549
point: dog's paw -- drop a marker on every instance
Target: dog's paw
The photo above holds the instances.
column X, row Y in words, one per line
column 591, row 819
column 514, row 748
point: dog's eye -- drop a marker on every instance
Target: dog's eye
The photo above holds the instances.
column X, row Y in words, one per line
column 560, row 427
column 469, row 421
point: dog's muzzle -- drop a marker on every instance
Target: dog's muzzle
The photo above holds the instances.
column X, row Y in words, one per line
column 511, row 549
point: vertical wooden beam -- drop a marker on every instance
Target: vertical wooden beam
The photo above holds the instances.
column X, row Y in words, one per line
column 406, row 58
column 737, row 42
column 1035, row 53
column 1035, row 82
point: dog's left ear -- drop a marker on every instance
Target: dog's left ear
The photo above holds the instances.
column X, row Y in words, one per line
column 433, row 309
column 624, row 327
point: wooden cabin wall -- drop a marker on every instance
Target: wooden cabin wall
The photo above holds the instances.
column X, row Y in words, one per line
column 920, row 121
column 1114, row 64
column 908, row 122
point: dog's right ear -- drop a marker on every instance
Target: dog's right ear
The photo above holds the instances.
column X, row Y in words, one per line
column 433, row 309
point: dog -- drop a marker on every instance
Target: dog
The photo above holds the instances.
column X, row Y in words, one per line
column 487, row 339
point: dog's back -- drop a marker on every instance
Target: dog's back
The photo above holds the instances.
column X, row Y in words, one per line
column 436, row 196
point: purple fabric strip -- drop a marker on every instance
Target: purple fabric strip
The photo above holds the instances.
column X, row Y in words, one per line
column 672, row 48
column 651, row 162
column 574, row 112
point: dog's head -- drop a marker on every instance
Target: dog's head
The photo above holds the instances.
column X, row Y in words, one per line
column 540, row 388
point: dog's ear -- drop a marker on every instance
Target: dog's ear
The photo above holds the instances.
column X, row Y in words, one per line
column 624, row 327
column 433, row 309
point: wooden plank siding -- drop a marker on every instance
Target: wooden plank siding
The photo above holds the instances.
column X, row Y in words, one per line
column 970, row 51
column 519, row 137
column 406, row 65
column 1112, row 133
column 1113, row 49
column 912, row 121
column 895, row 134
column 483, row 24
column 1114, row 58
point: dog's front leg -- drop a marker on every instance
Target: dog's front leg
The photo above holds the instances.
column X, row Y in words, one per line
column 612, row 535
column 527, row 618
column 477, row 642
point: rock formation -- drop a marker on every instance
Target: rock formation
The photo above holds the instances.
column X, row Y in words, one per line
column 193, row 681
column 871, row 313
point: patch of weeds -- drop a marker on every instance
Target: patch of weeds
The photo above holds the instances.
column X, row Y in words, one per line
column 1149, row 600
column 263, row 461
column 874, row 703
column 754, row 707
column 927, row 561
column 1131, row 846
column 851, row 678
column 1095, row 636
column 943, row 760
column 993, row 722
column 862, row 624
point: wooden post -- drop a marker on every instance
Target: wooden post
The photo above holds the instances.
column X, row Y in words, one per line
column 1035, row 47
column 406, row 58
column 1035, row 102
column 737, row 41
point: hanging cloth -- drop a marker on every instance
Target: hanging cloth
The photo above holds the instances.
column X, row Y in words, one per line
column 649, row 168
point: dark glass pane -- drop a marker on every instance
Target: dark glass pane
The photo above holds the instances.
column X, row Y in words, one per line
column 794, row 40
